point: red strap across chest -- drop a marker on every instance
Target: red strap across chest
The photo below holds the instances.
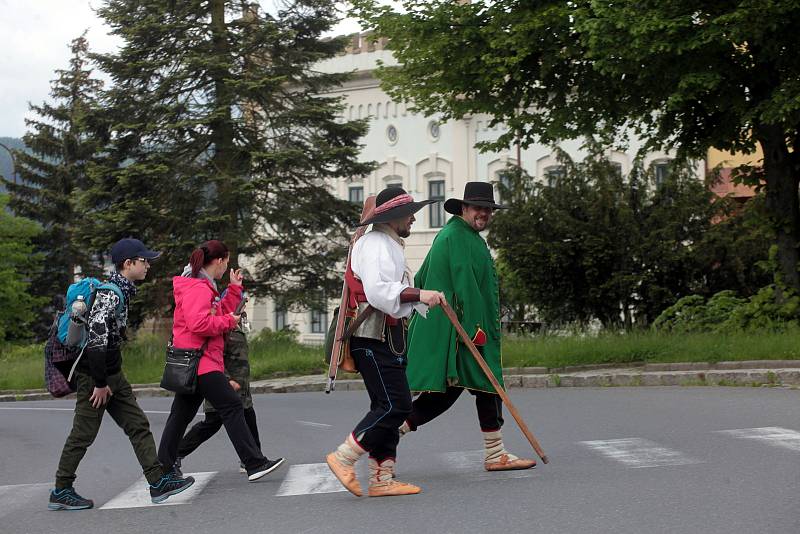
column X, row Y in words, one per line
column 357, row 294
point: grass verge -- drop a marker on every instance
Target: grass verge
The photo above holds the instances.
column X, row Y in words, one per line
column 276, row 354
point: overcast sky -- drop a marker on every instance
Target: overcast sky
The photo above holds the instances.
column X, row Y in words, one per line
column 34, row 39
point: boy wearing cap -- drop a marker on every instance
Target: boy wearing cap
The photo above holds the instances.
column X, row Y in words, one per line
column 102, row 387
column 460, row 265
column 378, row 277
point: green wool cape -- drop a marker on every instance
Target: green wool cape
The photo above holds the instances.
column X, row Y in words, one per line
column 460, row 266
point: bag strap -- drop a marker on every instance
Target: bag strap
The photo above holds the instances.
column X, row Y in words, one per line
column 202, row 348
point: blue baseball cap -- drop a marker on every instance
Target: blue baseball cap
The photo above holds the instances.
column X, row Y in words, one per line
column 129, row 248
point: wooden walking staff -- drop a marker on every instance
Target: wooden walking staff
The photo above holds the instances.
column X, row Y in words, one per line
column 339, row 336
column 500, row 391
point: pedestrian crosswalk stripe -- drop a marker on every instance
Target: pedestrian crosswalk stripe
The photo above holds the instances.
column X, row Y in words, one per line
column 138, row 494
column 304, row 479
column 639, row 452
column 773, row 435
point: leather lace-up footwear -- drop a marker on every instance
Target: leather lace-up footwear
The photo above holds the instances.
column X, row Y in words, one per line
column 346, row 474
column 498, row 458
column 509, row 462
column 382, row 482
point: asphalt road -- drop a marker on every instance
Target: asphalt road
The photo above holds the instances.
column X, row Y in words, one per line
column 622, row 460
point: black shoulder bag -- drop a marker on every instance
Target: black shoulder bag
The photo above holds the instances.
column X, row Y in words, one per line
column 180, row 372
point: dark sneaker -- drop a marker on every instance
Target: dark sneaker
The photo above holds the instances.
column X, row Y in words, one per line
column 264, row 469
column 170, row 484
column 67, row 499
column 177, row 468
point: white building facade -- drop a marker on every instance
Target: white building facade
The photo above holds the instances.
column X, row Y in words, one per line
column 424, row 156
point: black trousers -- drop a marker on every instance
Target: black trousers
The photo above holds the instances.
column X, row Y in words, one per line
column 430, row 405
column 384, row 375
column 202, row 431
column 217, row 390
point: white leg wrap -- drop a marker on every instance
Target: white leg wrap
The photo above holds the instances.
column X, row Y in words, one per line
column 493, row 445
column 381, row 472
column 349, row 452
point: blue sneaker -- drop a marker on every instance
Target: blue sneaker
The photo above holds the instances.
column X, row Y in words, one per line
column 170, row 484
column 67, row 499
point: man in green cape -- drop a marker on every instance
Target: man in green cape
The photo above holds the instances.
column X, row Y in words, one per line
column 460, row 265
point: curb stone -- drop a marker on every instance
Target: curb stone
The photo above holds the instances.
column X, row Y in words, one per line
column 779, row 373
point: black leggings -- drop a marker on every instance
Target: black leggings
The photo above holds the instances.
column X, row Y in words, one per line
column 202, row 431
column 432, row 404
column 384, row 375
column 217, row 390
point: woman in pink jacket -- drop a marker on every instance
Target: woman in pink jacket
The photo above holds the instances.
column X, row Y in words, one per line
column 202, row 318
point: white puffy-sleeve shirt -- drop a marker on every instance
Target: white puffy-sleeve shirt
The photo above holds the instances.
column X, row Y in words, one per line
column 379, row 262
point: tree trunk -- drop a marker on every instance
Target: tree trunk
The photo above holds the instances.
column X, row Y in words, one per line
column 782, row 203
column 222, row 133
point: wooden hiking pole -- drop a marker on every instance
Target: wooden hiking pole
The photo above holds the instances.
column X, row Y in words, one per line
column 339, row 338
column 497, row 387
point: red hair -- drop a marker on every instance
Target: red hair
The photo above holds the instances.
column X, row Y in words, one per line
column 206, row 253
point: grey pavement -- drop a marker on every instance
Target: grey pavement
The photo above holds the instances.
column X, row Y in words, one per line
column 622, row 460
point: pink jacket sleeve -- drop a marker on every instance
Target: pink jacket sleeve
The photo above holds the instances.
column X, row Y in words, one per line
column 197, row 314
column 232, row 298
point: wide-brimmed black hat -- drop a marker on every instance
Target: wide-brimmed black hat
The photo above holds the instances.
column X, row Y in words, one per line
column 394, row 203
column 477, row 194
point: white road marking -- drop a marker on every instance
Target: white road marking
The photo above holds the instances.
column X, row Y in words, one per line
column 54, row 409
column 315, row 425
column 305, row 479
column 463, row 460
column 138, row 494
column 14, row 497
column 772, row 435
column 638, row 452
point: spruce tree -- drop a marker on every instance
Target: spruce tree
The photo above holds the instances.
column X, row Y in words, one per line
column 61, row 140
column 222, row 129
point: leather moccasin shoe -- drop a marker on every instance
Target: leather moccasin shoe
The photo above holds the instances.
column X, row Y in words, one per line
column 507, row 464
column 345, row 474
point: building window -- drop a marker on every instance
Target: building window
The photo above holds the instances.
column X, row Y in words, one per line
column 554, row 175
column 434, row 131
column 280, row 318
column 504, row 178
column 617, row 167
column 356, row 195
column 661, row 171
column 319, row 321
column 397, row 185
column 436, row 210
column 391, row 134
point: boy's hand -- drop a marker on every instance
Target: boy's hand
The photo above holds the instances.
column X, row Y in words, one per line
column 100, row 396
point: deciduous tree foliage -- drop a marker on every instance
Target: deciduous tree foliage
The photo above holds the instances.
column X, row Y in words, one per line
column 18, row 264
column 684, row 75
column 62, row 141
column 600, row 245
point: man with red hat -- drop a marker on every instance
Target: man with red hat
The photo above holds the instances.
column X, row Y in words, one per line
column 381, row 280
column 460, row 265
